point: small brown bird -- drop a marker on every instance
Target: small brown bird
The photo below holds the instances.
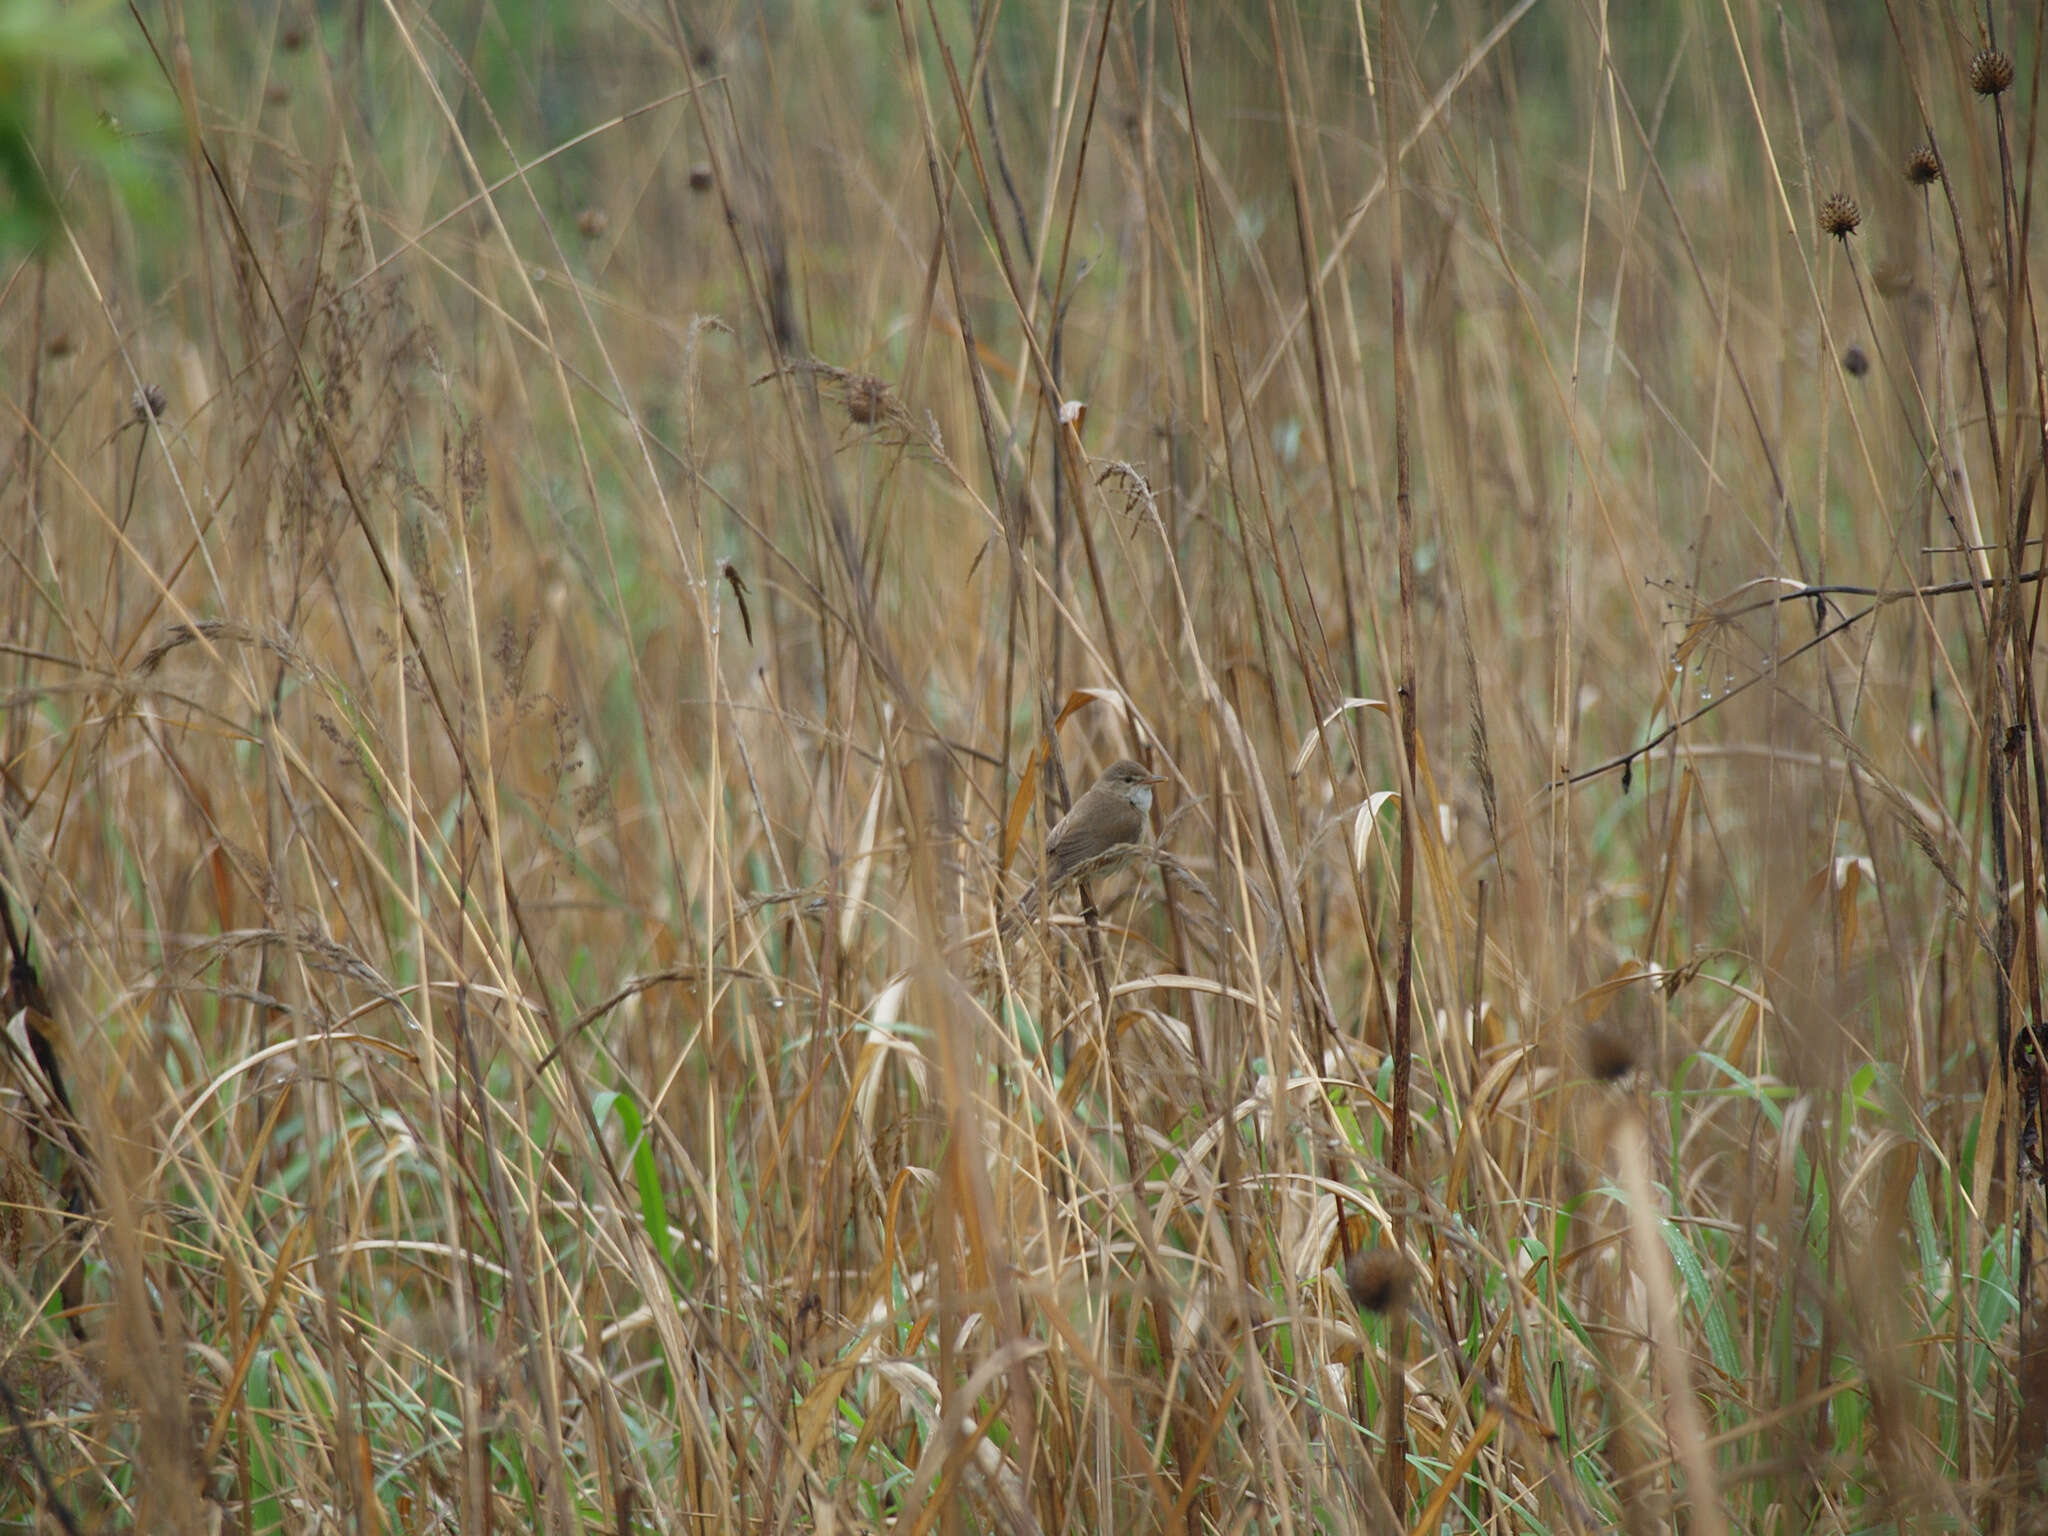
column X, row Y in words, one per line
column 1112, row 812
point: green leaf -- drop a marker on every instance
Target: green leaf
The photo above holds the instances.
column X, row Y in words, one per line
column 646, row 1175
column 1720, row 1338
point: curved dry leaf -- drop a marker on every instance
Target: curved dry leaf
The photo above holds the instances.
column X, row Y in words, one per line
column 1596, row 997
column 881, row 1041
column 1493, row 1086
column 860, row 867
column 1310, row 1255
column 1174, row 982
column 1362, row 823
column 1308, row 745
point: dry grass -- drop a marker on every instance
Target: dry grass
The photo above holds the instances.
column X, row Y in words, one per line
column 518, row 752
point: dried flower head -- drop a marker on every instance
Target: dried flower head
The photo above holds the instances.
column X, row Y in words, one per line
column 700, row 178
column 292, row 38
column 58, row 345
column 1923, row 167
column 1839, row 216
column 591, row 223
column 869, row 403
column 1855, row 361
column 149, row 403
column 1377, row 1279
column 867, row 398
column 1610, row 1052
column 1990, row 72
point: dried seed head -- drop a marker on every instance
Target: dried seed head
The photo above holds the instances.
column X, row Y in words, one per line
column 1923, row 167
column 1610, row 1052
column 1855, row 361
column 867, row 398
column 700, row 178
column 591, row 223
column 149, row 403
column 276, row 94
column 1990, row 72
column 1377, row 1279
column 1839, row 216
column 58, row 345
column 292, row 38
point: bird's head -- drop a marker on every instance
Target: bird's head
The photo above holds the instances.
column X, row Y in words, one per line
column 1133, row 781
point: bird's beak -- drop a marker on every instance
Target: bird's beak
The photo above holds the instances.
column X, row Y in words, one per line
column 1157, row 778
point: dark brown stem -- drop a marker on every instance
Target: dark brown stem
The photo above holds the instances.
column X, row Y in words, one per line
column 1404, row 926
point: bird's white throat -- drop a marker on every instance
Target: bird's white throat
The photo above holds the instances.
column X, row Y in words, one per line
column 1141, row 797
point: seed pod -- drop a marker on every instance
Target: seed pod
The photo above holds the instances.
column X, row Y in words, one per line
column 1990, row 72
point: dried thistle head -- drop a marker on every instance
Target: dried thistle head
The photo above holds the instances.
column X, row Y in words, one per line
column 149, row 402
column 1855, row 361
column 867, row 399
column 700, row 178
column 592, row 223
column 1839, row 216
column 1377, row 1279
column 1990, row 72
column 1923, row 167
